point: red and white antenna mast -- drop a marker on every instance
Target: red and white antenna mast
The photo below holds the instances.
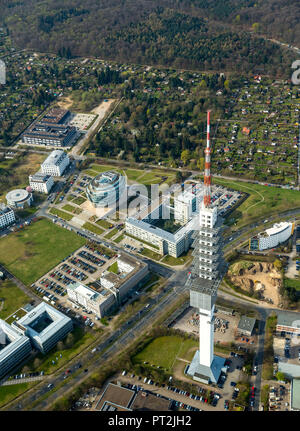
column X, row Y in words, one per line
column 207, row 175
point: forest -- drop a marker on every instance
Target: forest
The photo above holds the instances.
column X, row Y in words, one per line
column 210, row 35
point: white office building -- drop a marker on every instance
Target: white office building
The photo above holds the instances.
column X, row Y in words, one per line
column 45, row 326
column 270, row 238
column 98, row 302
column 7, row 216
column 160, row 240
column 41, row 182
column 19, row 198
column 185, row 205
column 56, row 163
column 112, row 288
column 14, row 348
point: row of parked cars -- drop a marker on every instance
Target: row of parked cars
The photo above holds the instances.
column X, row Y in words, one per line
column 83, row 265
column 26, row 375
column 90, row 257
column 79, row 275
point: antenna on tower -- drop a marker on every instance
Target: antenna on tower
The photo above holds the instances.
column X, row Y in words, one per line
column 207, row 176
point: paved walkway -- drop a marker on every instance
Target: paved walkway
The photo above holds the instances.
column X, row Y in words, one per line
column 19, row 381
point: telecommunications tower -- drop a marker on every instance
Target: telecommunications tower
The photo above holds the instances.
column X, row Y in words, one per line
column 206, row 273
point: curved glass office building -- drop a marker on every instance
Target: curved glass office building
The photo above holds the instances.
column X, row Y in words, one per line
column 105, row 189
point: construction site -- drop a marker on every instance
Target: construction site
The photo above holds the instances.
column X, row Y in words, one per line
column 260, row 279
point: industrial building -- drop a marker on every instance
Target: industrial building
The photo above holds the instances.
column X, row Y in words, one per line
column 7, row 216
column 41, row 182
column 14, row 348
column 19, row 198
column 207, row 270
column 118, row 398
column 55, row 163
column 44, row 326
column 246, row 326
column 288, row 323
column 106, row 189
column 112, row 288
column 270, row 238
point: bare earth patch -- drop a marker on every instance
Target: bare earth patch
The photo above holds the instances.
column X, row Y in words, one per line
column 257, row 277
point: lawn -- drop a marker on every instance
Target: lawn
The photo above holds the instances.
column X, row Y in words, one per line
column 262, row 202
column 289, row 282
column 37, row 248
column 181, row 260
column 11, row 298
column 10, row 392
column 151, row 254
column 112, row 233
column 104, row 223
column 119, row 238
column 61, row 214
column 79, row 200
column 163, row 351
column 69, row 208
column 114, row 268
column 81, row 341
column 133, row 174
column 92, row 228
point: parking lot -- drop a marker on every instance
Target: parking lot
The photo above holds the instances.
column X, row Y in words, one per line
column 82, row 121
column 224, row 198
column 286, row 349
column 84, row 265
column 279, row 397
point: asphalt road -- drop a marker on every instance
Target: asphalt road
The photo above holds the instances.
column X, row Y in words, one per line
column 115, row 342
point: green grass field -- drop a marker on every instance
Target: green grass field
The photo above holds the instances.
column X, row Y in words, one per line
column 289, row 282
column 104, row 223
column 111, row 233
column 133, row 174
column 10, row 392
column 181, row 260
column 78, row 201
column 151, row 254
column 37, row 248
column 119, row 238
column 114, row 268
column 95, row 229
column 61, row 214
column 81, row 341
column 163, row 351
column 262, row 202
column 11, row 298
column 69, row 208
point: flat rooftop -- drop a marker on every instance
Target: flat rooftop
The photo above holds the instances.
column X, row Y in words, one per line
column 246, row 323
column 149, row 402
column 295, row 395
column 288, row 319
column 39, row 177
column 54, row 157
column 4, row 210
column 116, row 396
column 43, row 321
